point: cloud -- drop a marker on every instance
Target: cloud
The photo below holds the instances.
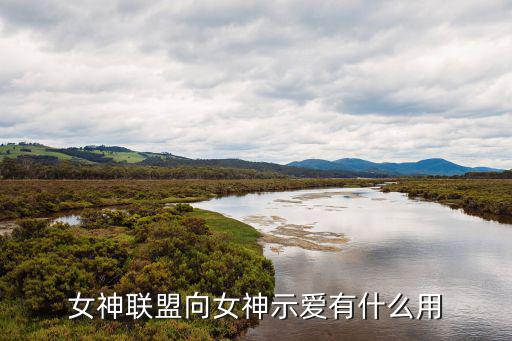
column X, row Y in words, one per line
column 265, row 80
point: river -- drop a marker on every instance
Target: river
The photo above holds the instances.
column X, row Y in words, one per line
column 388, row 244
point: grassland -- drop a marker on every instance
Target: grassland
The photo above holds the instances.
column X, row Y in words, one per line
column 14, row 151
column 487, row 198
column 128, row 157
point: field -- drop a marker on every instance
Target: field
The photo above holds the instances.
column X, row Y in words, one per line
column 14, row 151
column 487, row 198
column 129, row 157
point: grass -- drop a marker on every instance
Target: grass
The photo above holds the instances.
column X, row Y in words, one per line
column 15, row 151
column 18, row 325
column 237, row 231
column 129, row 157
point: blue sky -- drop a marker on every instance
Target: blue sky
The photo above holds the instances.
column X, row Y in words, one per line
column 263, row 80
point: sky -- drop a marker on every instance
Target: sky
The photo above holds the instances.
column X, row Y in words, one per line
column 262, row 80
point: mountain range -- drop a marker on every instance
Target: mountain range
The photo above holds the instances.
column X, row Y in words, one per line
column 435, row 166
column 347, row 167
column 94, row 154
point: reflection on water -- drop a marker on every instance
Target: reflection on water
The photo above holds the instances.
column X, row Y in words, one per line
column 7, row 226
column 395, row 245
column 71, row 219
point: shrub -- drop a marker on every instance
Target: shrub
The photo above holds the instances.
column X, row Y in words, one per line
column 182, row 208
column 29, row 228
column 42, row 265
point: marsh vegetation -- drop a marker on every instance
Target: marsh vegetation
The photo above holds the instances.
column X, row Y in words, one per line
column 39, row 198
column 487, row 198
column 144, row 248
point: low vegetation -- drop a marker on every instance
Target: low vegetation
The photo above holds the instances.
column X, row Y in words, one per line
column 143, row 248
column 487, row 198
column 39, row 198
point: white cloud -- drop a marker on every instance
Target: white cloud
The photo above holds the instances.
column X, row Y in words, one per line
column 265, row 80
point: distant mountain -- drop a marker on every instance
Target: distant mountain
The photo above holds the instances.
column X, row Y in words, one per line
column 424, row 167
column 314, row 168
column 301, row 172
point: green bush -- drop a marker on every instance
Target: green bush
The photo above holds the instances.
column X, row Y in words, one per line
column 182, row 208
column 143, row 249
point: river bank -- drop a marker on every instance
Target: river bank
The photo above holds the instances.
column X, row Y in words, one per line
column 490, row 199
column 40, row 198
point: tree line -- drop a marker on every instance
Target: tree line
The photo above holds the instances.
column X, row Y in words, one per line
column 48, row 167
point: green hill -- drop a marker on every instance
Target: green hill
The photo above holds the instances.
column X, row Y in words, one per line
column 118, row 156
column 14, row 150
column 87, row 154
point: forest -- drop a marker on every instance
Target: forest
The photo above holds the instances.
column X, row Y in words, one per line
column 489, row 175
column 299, row 172
column 49, row 167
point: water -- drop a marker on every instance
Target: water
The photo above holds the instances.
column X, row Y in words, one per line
column 7, row 226
column 71, row 219
column 396, row 245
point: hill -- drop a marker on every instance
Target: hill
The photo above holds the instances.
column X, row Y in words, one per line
column 118, row 156
column 88, row 154
column 301, row 172
column 435, row 166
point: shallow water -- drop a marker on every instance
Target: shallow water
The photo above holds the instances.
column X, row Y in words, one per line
column 6, row 226
column 71, row 217
column 395, row 245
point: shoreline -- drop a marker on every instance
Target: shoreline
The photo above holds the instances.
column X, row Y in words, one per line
column 474, row 197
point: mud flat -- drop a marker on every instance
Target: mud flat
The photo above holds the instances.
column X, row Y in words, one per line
column 263, row 220
column 297, row 235
column 297, row 242
column 326, row 195
column 6, row 227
